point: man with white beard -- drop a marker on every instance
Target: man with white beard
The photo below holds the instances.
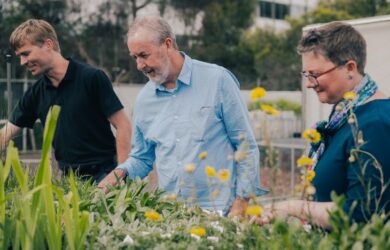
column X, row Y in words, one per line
column 187, row 110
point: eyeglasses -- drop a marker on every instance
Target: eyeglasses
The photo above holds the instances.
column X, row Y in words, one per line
column 313, row 78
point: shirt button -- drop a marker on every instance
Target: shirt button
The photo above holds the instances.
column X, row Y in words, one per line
column 175, row 117
column 179, row 163
column 177, row 140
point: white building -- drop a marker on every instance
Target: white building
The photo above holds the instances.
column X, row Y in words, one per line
column 272, row 13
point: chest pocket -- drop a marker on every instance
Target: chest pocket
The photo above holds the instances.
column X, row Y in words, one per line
column 204, row 120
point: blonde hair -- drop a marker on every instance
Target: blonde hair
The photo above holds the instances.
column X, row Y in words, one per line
column 36, row 31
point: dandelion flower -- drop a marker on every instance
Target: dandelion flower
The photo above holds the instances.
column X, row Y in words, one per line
column 210, row 171
column 349, row 96
column 258, row 93
column 304, row 161
column 189, row 168
column 198, row 231
column 152, row 215
column 269, row 110
column 253, row 210
column 203, row 155
column 312, row 135
column 223, row 175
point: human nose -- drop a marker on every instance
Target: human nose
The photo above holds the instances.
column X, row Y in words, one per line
column 140, row 64
column 311, row 83
column 23, row 60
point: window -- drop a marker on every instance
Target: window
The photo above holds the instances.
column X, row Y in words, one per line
column 273, row 10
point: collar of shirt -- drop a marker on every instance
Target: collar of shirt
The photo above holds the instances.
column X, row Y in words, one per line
column 69, row 75
column 184, row 76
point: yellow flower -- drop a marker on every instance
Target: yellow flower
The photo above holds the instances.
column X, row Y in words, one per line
column 304, row 161
column 203, row 155
column 269, row 110
column 223, row 175
column 199, row 231
column 339, row 107
column 312, row 135
column 349, row 96
column 258, row 93
column 310, row 175
column 253, row 210
column 189, row 168
column 152, row 215
column 210, row 171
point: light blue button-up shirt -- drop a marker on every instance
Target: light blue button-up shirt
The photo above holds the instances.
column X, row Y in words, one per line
column 171, row 127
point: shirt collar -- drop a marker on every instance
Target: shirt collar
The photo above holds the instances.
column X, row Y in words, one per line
column 69, row 75
column 184, row 76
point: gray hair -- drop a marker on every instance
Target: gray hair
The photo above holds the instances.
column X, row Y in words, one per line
column 338, row 42
column 156, row 25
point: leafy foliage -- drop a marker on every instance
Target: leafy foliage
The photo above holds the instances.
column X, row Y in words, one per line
column 68, row 213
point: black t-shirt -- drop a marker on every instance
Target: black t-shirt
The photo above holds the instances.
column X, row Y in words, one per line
column 83, row 134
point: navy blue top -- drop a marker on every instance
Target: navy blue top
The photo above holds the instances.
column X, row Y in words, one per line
column 83, row 135
column 358, row 179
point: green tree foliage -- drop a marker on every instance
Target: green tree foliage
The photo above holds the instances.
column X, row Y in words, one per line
column 15, row 12
column 224, row 22
column 97, row 39
column 277, row 64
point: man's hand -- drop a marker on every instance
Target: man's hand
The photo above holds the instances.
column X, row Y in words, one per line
column 111, row 179
column 239, row 207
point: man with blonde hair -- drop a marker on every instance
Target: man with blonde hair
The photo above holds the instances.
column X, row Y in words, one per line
column 190, row 119
column 83, row 139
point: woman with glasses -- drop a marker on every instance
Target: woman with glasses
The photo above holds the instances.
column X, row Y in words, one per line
column 333, row 61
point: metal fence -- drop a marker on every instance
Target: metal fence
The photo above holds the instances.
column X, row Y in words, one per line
column 284, row 125
column 11, row 91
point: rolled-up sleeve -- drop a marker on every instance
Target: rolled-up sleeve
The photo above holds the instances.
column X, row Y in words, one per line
column 234, row 114
column 141, row 158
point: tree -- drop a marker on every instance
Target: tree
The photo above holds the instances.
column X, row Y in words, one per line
column 97, row 39
column 277, row 64
column 223, row 25
column 15, row 12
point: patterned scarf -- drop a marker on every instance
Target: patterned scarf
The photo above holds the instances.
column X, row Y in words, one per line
column 337, row 118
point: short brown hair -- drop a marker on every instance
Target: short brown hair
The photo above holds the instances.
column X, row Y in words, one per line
column 35, row 31
column 337, row 41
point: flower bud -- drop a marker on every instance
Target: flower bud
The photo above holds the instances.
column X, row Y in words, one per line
column 351, row 158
